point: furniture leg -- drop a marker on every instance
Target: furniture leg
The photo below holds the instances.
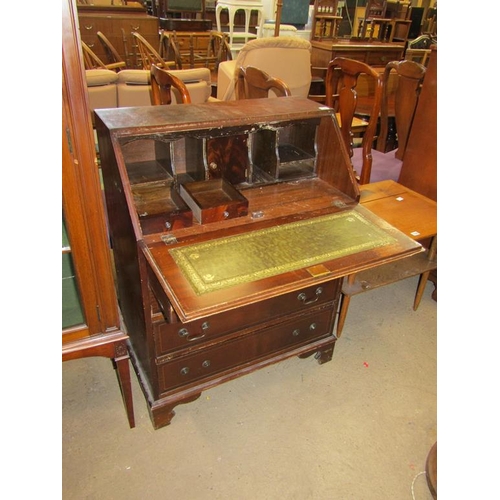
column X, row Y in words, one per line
column 420, row 289
column 248, row 14
column 162, row 415
column 433, row 279
column 344, row 306
column 324, row 355
column 123, row 372
column 232, row 13
column 431, row 253
column 218, row 10
column 113, row 348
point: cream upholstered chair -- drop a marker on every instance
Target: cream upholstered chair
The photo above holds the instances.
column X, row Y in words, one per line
column 101, row 88
column 134, row 86
column 286, row 58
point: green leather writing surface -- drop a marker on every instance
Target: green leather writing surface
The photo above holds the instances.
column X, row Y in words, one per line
column 224, row 262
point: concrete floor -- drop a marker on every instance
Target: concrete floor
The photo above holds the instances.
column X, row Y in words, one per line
column 359, row 427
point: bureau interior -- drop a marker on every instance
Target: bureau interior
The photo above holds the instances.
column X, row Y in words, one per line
column 244, row 156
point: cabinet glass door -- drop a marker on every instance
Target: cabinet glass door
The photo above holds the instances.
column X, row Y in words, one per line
column 72, row 313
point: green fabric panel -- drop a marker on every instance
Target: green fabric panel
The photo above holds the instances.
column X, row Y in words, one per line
column 185, row 5
column 72, row 313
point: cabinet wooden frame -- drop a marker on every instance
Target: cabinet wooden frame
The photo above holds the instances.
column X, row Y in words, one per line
column 101, row 333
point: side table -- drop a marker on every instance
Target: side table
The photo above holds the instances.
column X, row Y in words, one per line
column 413, row 214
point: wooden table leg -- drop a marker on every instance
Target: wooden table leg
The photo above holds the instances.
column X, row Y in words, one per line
column 123, row 372
column 113, row 346
column 344, row 306
column 431, row 254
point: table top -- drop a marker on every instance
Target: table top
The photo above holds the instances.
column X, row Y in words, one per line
column 412, row 213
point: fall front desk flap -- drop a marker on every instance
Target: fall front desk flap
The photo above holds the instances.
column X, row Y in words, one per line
column 221, row 273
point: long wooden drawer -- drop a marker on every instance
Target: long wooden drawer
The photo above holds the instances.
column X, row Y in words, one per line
column 382, row 57
column 226, row 355
column 170, row 337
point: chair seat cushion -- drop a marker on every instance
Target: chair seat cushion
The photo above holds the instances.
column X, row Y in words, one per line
column 100, row 77
column 384, row 165
column 134, row 86
column 134, row 77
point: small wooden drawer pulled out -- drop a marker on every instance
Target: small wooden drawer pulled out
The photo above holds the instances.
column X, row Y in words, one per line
column 213, row 200
column 160, row 208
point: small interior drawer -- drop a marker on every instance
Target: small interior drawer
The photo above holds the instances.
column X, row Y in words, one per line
column 213, row 200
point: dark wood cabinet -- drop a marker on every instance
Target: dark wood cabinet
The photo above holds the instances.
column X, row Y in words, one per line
column 91, row 321
column 205, row 301
column 371, row 53
column 118, row 23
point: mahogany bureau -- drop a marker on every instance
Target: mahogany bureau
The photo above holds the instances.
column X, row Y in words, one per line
column 232, row 226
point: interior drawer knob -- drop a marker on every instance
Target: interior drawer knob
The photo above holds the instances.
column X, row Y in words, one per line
column 185, row 370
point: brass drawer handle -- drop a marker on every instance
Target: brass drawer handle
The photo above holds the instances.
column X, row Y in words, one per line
column 89, row 26
column 296, row 332
column 303, row 297
column 184, row 332
column 185, row 370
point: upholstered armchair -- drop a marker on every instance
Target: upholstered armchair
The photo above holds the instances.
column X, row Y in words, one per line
column 286, row 58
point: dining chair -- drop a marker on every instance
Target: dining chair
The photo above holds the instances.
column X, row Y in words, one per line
column 163, row 83
column 396, row 93
column 112, row 55
column 401, row 84
column 150, row 55
column 168, row 49
column 195, row 50
column 92, row 61
column 408, row 83
column 254, row 83
column 340, row 83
